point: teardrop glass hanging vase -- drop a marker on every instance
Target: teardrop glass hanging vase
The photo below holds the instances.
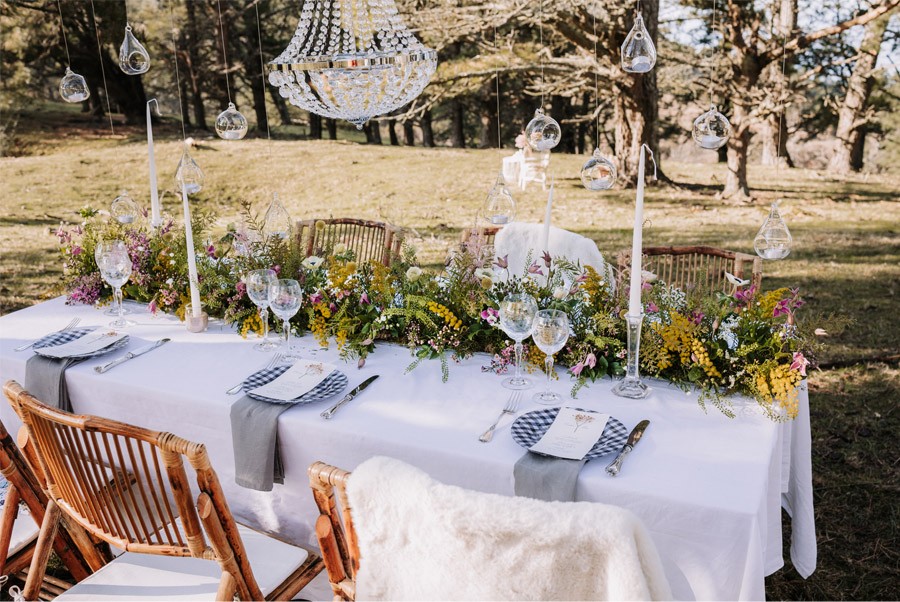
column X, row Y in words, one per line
column 711, row 130
column 542, row 132
column 277, row 222
column 188, row 173
column 774, row 240
column 124, row 209
column 133, row 57
column 638, row 51
column 231, row 124
column 73, row 88
column 499, row 206
column 599, row 173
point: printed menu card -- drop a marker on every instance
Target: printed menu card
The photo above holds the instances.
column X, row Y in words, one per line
column 572, row 434
column 89, row 343
column 300, row 378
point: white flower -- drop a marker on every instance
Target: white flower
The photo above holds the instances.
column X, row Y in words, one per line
column 339, row 248
column 312, row 262
column 560, row 292
column 170, row 281
column 171, row 262
column 413, row 273
column 648, row 276
column 735, row 280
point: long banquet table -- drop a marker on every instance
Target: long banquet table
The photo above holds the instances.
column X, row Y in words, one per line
column 709, row 488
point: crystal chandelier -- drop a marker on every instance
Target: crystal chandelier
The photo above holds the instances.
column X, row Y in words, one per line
column 353, row 60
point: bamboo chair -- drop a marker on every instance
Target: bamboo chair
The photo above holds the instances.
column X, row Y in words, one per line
column 371, row 241
column 334, row 529
column 147, row 510
column 486, row 234
column 695, row 267
column 18, row 533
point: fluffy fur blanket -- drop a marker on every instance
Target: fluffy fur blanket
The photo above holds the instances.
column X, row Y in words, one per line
column 518, row 239
column 422, row 540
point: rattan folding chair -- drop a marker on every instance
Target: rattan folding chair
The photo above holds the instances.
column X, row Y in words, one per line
column 695, row 267
column 334, row 529
column 371, row 241
column 23, row 511
column 146, row 508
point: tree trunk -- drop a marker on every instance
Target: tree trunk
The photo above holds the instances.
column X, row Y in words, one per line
column 409, row 133
column 191, row 42
column 254, row 72
column 736, row 186
column 392, row 132
column 636, row 113
column 315, row 126
column 427, row 130
column 183, row 103
column 331, row 126
column 851, row 118
column 457, row 124
column 774, row 131
column 773, row 138
column 376, row 132
column 487, row 104
column 281, row 106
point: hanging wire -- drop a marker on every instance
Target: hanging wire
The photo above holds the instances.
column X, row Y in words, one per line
column 224, row 50
column 597, row 79
column 497, row 49
column 262, row 71
column 541, row 50
column 62, row 27
column 177, row 76
column 784, row 36
column 712, row 61
column 102, row 68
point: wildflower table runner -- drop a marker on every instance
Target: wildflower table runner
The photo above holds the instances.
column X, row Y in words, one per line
column 708, row 488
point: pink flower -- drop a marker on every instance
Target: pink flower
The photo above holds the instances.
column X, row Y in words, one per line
column 547, row 259
column 241, row 289
column 590, row 360
column 276, row 269
column 490, row 315
column 315, row 298
column 521, row 140
column 646, row 286
column 534, row 268
column 577, row 368
column 652, row 307
column 744, row 296
column 502, row 262
column 800, row 363
column 364, row 299
column 153, row 307
column 76, row 250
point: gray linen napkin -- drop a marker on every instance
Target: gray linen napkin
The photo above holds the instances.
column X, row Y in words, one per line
column 45, row 378
column 254, row 434
column 546, row 478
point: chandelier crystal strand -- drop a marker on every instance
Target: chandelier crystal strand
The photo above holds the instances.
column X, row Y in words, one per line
column 352, row 60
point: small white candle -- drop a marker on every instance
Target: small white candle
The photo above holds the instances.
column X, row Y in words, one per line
column 191, row 255
column 634, row 299
column 546, row 239
column 155, row 219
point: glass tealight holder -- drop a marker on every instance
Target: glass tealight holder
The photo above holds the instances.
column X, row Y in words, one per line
column 499, row 206
column 123, row 209
column 774, row 240
column 277, row 222
column 638, row 52
column 599, row 173
column 73, row 87
column 194, row 323
column 133, row 57
column 542, row 132
column 188, row 174
column 711, row 130
column 231, row 124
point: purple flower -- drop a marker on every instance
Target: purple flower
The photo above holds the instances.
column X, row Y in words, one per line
column 315, row 298
column 502, row 262
column 547, row 259
column 697, row 316
column 276, row 269
column 800, row 363
column 577, row 368
column 153, row 307
column 652, row 307
column 782, row 308
column 744, row 296
column 490, row 315
column 364, row 299
column 534, row 268
column 211, row 251
column 76, row 251
column 241, row 289
column 590, row 360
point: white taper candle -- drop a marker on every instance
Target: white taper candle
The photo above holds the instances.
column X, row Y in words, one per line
column 155, row 218
column 634, row 299
column 546, row 239
column 191, row 255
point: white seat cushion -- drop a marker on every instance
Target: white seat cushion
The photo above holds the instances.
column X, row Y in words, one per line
column 151, row 577
column 25, row 530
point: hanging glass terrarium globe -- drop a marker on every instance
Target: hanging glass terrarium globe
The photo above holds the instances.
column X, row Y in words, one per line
column 352, row 60
column 711, row 130
column 73, row 88
column 231, row 124
column 774, row 240
column 542, row 132
column 123, row 209
column 638, row 51
column 277, row 222
column 499, row 206
column 133, row 57
column 189, row 175
column 599, row 173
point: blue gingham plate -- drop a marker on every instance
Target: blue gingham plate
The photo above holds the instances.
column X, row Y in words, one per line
column 66, row 336
column 333, row 384
column 528, row 429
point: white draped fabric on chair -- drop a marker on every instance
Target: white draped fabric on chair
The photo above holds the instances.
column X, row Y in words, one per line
column 520, row 241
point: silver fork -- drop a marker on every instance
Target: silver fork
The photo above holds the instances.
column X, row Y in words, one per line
column 272, row 363
column 69, row 326
column 510, row 408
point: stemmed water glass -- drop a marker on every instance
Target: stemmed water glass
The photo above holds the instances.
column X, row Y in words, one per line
column 115, row 267
column 550, row 333
column 517, row 314
column 258, row 284
column 284, row 299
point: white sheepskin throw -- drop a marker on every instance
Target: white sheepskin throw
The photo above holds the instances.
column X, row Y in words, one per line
column 422, row 540
column 518, row 239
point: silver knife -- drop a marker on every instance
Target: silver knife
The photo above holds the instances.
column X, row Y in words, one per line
column 635, row 436
column 131, row 355
column 330, row 411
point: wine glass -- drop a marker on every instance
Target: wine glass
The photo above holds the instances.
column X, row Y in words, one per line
column 517, row 313
column 550, row 333
column 115, row 267
column 284, row 299
column 258, row 283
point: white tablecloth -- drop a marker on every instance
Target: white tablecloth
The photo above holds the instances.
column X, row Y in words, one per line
column 708, row 488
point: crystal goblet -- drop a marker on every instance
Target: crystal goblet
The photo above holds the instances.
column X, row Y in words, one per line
column 115, row 268
column 285, row 296
column 550, row 333
column 258, row 283
column 517, row 313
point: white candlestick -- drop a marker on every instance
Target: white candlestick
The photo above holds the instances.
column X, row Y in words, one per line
column 546, row 239
column 634, row 299
column 155, row 219
column 191, row 255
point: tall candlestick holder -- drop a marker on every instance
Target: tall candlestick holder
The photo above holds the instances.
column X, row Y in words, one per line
column 631, row 386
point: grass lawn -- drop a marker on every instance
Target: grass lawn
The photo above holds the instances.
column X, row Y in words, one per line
column 846, row 260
